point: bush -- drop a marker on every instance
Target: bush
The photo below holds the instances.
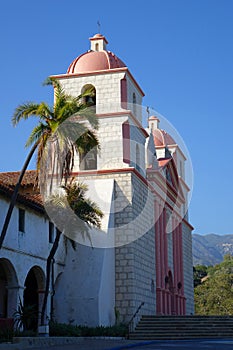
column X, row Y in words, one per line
column 61, row 330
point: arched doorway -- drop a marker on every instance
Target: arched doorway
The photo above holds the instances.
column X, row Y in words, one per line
column 3, row 292
column 8, row 288
column 34, row 283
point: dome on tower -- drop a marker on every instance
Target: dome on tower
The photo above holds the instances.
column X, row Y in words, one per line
column 161, row 137
column 96, row 59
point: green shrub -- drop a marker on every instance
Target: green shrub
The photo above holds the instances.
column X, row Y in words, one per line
column 62, row 330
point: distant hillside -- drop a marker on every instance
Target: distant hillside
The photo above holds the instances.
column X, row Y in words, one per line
column 210, row 249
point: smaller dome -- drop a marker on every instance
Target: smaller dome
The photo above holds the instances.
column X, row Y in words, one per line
column 168, row 139
column 162, row 138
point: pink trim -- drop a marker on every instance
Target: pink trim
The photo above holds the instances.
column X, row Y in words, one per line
column 70, row 69
column 113, row 171
column 134, row 81
column 188, row 224
column 126, row 142
column 98, row 72
column 161, row 233
column 106, row 71
column 108, row 59
column 169, row 190
column 165, row 241
column 124, row 93
column 174, row 251
column 158, row 248
column 126, row 113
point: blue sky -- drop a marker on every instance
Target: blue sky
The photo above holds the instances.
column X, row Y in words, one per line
column 179, row 51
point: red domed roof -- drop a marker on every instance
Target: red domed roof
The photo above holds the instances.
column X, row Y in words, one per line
column 162, row 138
column 95, row 61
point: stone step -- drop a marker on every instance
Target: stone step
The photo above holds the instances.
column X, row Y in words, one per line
column 183, row 327
column 175, row 331
column 182, row 318
column 180, row 337
column 197, row 324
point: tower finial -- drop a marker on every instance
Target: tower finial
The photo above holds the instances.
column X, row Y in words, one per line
column 98, row 24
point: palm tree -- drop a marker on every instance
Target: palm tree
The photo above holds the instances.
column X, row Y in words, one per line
column 87, row 215
column 75, row 136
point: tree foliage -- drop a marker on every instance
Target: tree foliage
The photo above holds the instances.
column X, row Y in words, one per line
column 214, row 296
column 199, row 272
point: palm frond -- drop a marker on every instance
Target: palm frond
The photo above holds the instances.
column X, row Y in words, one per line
column 88, row 113
column 44, row 111
column 86, row 142
column 36, row 133
column 24, row 111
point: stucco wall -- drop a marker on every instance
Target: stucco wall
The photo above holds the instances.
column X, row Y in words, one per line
column 23, row 251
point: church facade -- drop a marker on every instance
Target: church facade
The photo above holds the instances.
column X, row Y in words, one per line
column 143, row 253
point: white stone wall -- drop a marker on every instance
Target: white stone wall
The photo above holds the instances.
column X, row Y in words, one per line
column 85, row 292
column 135, row 108
column 135, row 262
column 25, row 250
column 188, row 268
column 108, row 89
column 89, row 294
column 111, row 142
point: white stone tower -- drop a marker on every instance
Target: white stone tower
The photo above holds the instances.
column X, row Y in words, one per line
column 134, row 253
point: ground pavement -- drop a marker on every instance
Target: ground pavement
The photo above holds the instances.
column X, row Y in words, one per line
column 106, row 344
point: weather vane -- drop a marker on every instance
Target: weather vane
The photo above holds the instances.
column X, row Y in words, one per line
column 98, row 23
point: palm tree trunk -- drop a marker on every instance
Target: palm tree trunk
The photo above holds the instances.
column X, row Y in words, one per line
column 14, row 195
column 48, row 273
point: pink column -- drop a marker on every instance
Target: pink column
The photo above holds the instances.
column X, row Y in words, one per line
column 174, row 243
column 162, row 247
column 165, row 241
column 157, row 248
column 182, row 270
column 166, row 311
column 158, row 260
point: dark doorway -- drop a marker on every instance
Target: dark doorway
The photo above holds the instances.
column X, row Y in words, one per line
column 3, row 292
column 31, row 301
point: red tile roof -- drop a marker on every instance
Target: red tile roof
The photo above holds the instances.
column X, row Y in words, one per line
column 29, row 194
column 10, row 178
column 163, row 161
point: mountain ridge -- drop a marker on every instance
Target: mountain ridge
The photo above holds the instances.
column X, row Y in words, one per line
column 210, row 249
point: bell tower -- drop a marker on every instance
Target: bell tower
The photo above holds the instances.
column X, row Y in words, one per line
column 118, row 99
